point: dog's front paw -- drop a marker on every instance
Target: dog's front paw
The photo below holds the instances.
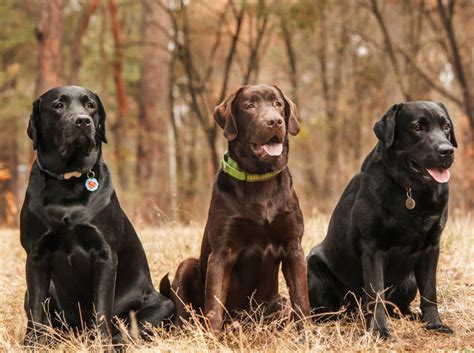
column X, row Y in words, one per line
column 33, row 342
column 439, row 328
column 382, row 332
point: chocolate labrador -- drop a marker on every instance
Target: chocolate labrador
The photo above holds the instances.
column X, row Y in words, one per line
column 383, row 238
column 254, row 222
column 85, row 263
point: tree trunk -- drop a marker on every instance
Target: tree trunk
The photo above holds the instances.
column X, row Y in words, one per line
column 152, row 151
column 290, row 53
column 119, row 128
column 446, row 15
column 76, row 45
column 49, row 33
column 389, row 48
column 9, row 181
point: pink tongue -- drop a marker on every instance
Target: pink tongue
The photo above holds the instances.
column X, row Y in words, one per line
column 273, row 149
column 441, row 175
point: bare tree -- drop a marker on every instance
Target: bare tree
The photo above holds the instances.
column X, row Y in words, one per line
column 331, row 81
column 76, row 45
column 258, row 29
column 118, row 128
column 390, row 50
column 201, row 99
column 49, row 33
column 152, row 151
column 446, row 37
column 291, row 55
column 446, row 14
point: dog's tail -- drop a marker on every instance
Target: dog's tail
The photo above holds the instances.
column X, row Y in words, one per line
column 165, row 286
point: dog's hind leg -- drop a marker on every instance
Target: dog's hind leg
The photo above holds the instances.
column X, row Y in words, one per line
column 187, row 290
column 324, row 288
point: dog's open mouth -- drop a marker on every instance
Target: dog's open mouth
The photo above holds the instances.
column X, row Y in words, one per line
column 438, row 174
column 273, row 147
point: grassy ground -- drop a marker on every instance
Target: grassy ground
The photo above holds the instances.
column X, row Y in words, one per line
column 168, row 246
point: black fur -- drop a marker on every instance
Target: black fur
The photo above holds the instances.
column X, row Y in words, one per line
column 375, row 243
column 84, row 259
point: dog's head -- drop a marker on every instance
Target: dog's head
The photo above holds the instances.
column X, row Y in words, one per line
column 256, row 122
column 69, row 122
column 420, row 137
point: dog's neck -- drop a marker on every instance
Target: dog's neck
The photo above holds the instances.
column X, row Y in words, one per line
column 252, row 164
column 230, row 166
column 77, row 162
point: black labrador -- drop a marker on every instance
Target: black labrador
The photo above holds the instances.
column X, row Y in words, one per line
column 85, row 263
column 383, row 238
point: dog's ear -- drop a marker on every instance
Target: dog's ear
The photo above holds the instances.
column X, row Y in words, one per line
column 102, row 116
column 385, row 128
column 224, row 115
column 32, row 130
column 291, row 113
column 452, row 136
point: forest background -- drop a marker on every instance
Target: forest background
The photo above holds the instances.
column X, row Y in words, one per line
column 161, row 67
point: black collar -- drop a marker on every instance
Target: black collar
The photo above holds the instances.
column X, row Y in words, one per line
column 64, row 176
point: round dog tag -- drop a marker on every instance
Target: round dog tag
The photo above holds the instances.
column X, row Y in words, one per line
column 92, row 184
column 409, row 202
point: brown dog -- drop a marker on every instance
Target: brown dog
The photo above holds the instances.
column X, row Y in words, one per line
column 254, row 222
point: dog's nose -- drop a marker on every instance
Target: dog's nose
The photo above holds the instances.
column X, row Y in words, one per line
column 274, row 121
column 445, row 150
column 83, row 121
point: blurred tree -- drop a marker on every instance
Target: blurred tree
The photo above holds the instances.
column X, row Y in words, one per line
column 198, row 84
column 446, row 14
column 76, row 45
column 444, row 30
column 49, row 33
column 119, row 127
column 162, row 66
column 152, row 152
column 333, row 40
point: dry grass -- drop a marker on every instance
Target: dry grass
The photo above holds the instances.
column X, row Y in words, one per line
column 167, row 247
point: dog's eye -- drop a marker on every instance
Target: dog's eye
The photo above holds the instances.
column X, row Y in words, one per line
column 250, row 106
column 418, row 127
column 278, row 104
column 58, row 105
column 447, row 127
column 90, row 105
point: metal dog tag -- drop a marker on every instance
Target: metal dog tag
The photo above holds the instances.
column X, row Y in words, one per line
column 409, row 202
column 92, row 184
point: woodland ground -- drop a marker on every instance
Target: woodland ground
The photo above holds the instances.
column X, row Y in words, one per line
column 167, row 246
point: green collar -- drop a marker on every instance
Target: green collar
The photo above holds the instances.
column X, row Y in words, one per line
column 231, row 167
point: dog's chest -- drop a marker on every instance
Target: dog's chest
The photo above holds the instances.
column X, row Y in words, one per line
column 265, row 212
column 426, row 224
column 265, row 234
column 412, row 235
column 71, row 247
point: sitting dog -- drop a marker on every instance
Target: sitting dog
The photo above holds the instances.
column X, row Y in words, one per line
column 383, row 238
column 254, row 222
column 85, row 262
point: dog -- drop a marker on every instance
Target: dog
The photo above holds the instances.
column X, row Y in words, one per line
column 85, row 263
column 383, row 238
column 254, row 222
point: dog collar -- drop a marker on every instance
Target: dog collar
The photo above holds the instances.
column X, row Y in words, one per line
column 65, row 176
column 229, row 166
